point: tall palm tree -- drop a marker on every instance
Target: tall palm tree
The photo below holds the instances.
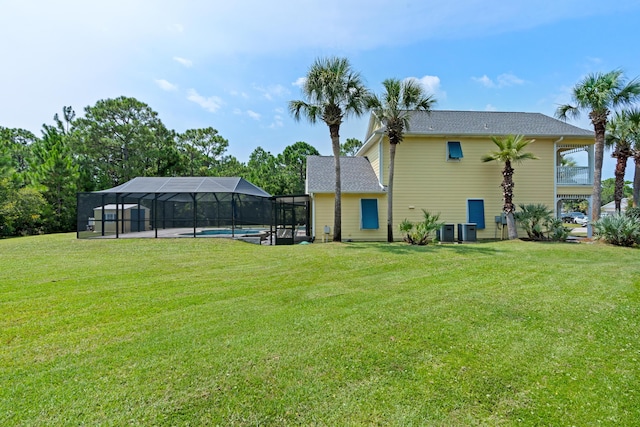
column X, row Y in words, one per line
column 599, row 93
column 621, row 134
column 393, row 110
column 332, row 92
column 510, row 150
column 634, row 122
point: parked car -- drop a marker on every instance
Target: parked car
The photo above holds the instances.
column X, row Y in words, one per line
column 571, row 216
column 583, row 220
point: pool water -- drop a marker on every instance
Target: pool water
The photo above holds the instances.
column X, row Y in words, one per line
column 238, row 231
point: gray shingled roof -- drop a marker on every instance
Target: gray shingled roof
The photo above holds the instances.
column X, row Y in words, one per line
column 188, row 185
column 440, row 122
column 356, row 175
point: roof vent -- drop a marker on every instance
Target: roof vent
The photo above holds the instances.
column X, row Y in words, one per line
column 486, row 126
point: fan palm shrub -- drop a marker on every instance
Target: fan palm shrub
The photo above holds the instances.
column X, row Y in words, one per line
column 538, row 222
column 619, row 230
column 421, row 232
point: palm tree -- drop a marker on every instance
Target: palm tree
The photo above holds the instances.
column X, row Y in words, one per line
column 634, row 119
column 510, row 150
column 332, row 92
column 599, row 93
column 393, row 111
column 622, row 132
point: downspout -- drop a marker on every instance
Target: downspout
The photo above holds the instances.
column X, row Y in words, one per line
column 381, row 160
column 313, row 217
column 555, row 174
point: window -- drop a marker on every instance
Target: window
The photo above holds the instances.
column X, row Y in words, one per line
column 454, row 150
column 475, row 212
column 369, row 213
column 109, row 216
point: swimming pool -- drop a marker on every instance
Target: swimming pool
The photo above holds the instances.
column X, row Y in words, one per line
column 228, row 232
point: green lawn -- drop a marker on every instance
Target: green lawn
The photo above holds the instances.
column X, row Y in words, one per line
column 211, row 331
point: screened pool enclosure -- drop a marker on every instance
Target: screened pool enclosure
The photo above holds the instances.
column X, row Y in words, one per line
column 189, row 207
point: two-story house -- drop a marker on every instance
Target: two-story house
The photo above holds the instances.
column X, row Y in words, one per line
column 438, row 168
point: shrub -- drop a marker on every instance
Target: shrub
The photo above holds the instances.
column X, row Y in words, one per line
column 420, row 233
column 23, row 213
column 620, row 230
column 557, row 231
column 633, row 213
column 538, row 222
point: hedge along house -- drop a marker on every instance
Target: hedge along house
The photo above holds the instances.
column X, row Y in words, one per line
column 174, row 207
column 438, row 168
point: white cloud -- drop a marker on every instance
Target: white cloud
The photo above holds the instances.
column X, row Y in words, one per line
column 490, row 107
column 176, row 28
column 484, row 80
column 431, row 84
column 253, row 115
column 211, row 104
column 240, row 94
column 250, row 113
column 300, row 81
column 272, row 91
column 186, row 62
column 316, row 26
column 503, row 80
column 277, row 122
column 165, row 85
column 509, row 80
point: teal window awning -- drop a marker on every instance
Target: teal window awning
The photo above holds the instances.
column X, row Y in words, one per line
column 454, row 149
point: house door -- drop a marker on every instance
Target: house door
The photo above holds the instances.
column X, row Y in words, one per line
column 475, row 212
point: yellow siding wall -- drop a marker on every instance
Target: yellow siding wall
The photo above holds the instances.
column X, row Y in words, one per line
column 110, row 226
column 424, row 179
column 585, row 190
column 323, row 208
column 373, row 154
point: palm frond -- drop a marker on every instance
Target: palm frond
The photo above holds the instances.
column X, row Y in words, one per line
column 510, row 148
column 627, row 94
column 567, row 111
column 298, row 109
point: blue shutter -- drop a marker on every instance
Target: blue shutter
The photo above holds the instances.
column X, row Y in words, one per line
column 455, row 149
column 369, row 209
column 476, row 212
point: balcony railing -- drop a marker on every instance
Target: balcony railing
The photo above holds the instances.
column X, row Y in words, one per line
column 574, row 175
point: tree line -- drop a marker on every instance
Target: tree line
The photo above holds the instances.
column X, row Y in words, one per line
column 116, row 141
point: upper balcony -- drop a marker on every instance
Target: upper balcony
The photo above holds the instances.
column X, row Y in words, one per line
column 574, row 165
column 574, row 175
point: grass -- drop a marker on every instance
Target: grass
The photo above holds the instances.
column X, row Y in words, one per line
column 212, row 331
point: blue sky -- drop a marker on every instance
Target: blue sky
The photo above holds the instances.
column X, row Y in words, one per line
column 235, row 65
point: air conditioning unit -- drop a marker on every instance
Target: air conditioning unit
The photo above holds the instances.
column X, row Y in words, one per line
column 446, row 233
column 467, row 232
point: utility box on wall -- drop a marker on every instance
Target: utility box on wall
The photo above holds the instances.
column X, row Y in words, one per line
column 467, row 232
